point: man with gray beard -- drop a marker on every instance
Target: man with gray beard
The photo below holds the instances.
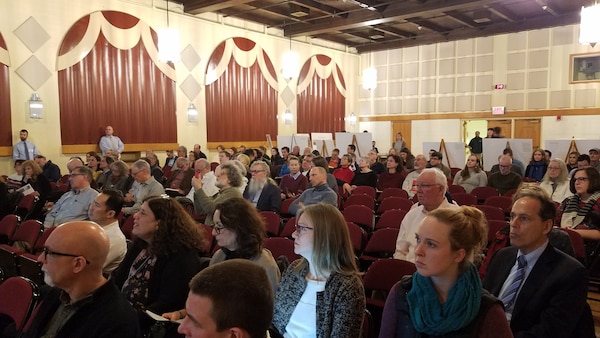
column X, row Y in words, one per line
column 262, row 190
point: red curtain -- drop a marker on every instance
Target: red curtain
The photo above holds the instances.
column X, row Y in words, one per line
column 240, row 104
column 111, row 86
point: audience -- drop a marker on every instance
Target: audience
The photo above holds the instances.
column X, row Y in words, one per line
column 319, row 193
column 544, row 290
column 294, row 183
column 536, row 169
column 119, row 178
column 376, row 166
column 363, row 176
column 50, row 170
column 262, row 191
column 595, row 158
column 319, row 161
column 393, row 176
column 229, row 179
column 180, row 181
column 32, row 175
column 411, row 178
column 505, row 179
column 333, row 161
column 146, row 186
column 344, row 174
column 572, row 160
column 105, row 210
column 73, row 205
column 13, row 180
column 81, row 301
column 155, row 169
column 321, row 294
column 220, row 302
column 471, row 176
column 105, row 163
column 209, row 180
column 408, row 159
column 431, row 186
column 94, row 165
column 162, row 259
column 445, row 296
column 556, row 181
column 435, row 161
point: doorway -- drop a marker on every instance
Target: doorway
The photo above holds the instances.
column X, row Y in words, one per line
column 529, row 129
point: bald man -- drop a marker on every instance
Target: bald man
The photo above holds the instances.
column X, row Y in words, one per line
column 81, row 302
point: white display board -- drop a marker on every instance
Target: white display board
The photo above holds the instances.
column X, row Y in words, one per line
column 363, row 142
column 454, row 152
column 493, row 147
column 560, row 148
column 300, row 140
column 323, row 146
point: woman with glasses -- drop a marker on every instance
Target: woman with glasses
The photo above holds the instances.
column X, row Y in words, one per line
column 556, row 181
column 240, row 231
column 363, row 176
column 581, row 212
column 119, row 177
column 445, row 297
column 156, row 270
column 471, row 176
column 320, row 295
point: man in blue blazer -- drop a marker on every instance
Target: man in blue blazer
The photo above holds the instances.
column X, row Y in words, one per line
column 261, row 191
column 544, row 290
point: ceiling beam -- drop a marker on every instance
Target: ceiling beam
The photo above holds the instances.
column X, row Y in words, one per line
column 468, row 33
column 461, row 18
column 504, row 13
column 204, row 6
column 395, row 12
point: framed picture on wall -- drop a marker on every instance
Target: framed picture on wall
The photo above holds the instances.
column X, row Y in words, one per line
column 584, row 68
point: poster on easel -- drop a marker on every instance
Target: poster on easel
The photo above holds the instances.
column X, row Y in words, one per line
column 453, row 152
column 561, row 148
column 493, row 147
column 362, row 141
column 300, row 140
column 323, row 143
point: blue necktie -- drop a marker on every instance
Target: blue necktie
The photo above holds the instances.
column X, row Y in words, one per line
column 26, row 150
column 511, row 293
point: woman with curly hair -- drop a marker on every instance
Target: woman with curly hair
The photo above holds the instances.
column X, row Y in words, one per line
column 119, row 177
column 320, row 295
column 155, row 273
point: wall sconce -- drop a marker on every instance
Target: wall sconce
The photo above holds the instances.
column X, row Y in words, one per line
column 352, row 119
column 168, row 42
column 36, row 107
column 589, row 29
column 287, row 116
column 192, row 113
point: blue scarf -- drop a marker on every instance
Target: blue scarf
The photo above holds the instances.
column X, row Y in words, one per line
column 536, row 170
column 461, row 307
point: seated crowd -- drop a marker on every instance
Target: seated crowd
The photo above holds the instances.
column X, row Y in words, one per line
column 101, row 282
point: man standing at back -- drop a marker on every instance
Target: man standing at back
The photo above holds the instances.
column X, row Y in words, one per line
column 82, row 303
column 111, row 142
column 431, row 186
column 104, row 211
column 476, row 145
column 544, row 290
column 24, row 150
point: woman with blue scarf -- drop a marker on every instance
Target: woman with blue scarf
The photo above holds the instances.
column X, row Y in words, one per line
column 536, row 169
column 445, row 298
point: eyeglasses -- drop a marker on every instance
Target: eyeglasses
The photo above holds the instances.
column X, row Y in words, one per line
column 73, row 175
column 134, row 173
column 47, row 252
column 257, row 171
column 300, row 229
column 424, row 185
column 553, row 168
column 504, row 166
column 581, row 179
column 218, row 228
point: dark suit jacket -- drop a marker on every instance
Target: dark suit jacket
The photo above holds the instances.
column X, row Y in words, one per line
column 269, row 200
column 552, row 302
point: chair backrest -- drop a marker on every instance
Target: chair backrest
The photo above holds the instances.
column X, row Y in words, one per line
column 578, row 244
column 464, row 198
column 482, row 193
column 360, row 215
column 207, row 245
column 494, row 226
column 280, row 246
column 502, row 202
column 454, row 171
column 390, row 219
column 387, row 192
column 18, row 296
column 26, row 202
column 285, row 207
column 39, row 244
column 510, row 193
column 360, row 199
column 272, row 222
column 385, row 272
column 394, row 202
column 491, row 212
column 455, row 188
column 8, row 225
column 127, row 227
column 29, row 231
column 365, row 189
column 213, row 166
column 358, row 236
column 382, row 243
column 288, row 228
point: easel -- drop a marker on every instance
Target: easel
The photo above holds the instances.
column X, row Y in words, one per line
column 355, row 143
column 572, row 148
column 269, row 142
column 324, row 151
column 444, row 152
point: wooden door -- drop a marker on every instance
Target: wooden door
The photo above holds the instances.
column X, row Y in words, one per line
column 530, row 128
column 405, row 128
column 505, row 125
